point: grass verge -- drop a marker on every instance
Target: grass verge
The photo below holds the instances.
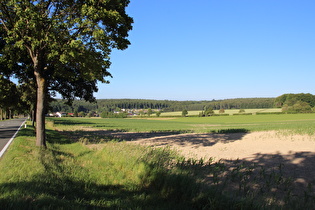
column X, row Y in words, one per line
column 76, row 176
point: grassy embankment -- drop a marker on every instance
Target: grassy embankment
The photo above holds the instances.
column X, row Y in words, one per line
column 73, row 174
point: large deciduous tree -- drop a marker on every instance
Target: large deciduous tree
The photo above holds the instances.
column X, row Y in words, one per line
column 62, row 45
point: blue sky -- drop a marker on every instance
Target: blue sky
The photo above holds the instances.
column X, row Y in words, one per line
column 215, row 49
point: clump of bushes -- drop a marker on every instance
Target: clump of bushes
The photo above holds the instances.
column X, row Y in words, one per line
column 184, row 113
column 298, row 107
column 207, row 112
column 265, row 113
column 243, row 114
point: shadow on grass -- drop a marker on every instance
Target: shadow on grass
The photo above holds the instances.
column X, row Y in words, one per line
column 28, row 132
column 100, row 136
column 51, row 193
column 266, row 182
column 196, row 140
column 158, row 138
column 68, row 121
column 231, row 130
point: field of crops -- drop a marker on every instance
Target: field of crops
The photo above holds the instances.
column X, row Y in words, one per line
column 227, row 111
column 290, row 123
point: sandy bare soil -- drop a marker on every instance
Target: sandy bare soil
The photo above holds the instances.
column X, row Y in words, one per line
column 296, row 153
column 268, row 154
column 234, row 145
column 293, row 156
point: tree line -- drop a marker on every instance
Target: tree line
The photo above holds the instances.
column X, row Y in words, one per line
column 111, row 105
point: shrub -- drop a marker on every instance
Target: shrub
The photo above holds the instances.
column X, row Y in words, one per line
column 209, row 112
column 243, row 114
column 184, row 113
column 81, row 114
column 220, row 115
column 158, row 113
column 264, row 113
column 298, row 107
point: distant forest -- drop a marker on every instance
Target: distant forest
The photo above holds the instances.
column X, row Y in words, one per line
column 162, row 105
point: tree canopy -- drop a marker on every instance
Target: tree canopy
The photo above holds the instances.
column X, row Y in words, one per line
column 184, row 113
column 61, row 45
column 8, row 95
column 296, row 103
column 290, row 99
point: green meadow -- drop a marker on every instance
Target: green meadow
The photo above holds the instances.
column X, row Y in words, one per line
column 291, row 123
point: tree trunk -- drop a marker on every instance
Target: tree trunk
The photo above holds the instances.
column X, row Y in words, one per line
column 40, row 110
column 38, row 61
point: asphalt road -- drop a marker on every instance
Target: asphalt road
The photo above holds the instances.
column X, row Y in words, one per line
column 7, row 129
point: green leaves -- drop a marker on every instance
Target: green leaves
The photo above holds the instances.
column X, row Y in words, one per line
column 8, row 93
column 66, row 43
column 71, row 40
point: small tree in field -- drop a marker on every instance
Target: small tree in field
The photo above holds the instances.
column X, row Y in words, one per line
column 184, row 113
column 201, row 114
column 158, row 113
column 221, row 111
column 241, row 111
column 209, row 111
column 61, row 45
column 81, row 114
column 149, row 112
